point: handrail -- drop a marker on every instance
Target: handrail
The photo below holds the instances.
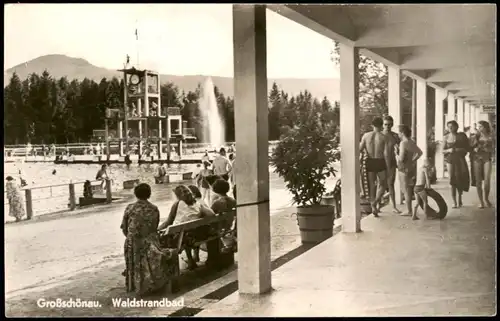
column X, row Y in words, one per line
column 29, row 200
column 57, row 185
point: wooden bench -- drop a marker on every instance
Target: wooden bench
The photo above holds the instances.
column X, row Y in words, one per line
column 91, row 201
column 219, row 222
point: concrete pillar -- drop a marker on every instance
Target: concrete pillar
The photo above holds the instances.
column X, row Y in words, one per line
column 460, row 114
column 482, row 116
column 478, row 113
column 439, row 132
column 394, row 100
column 467, row 114
column 251, row 123
column 451, row 108
column 421, row 133
column 349, row 138
column 473, row 120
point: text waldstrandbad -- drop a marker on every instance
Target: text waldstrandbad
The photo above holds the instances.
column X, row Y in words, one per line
column 135, row 303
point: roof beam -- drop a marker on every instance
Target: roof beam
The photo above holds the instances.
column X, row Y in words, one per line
column 292, row 13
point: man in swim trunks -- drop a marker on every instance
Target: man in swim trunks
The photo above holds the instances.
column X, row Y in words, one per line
column 393, row 141
column 409, row 153
column 376, row 146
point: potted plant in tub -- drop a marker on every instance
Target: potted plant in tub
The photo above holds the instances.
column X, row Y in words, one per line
column 304, row 158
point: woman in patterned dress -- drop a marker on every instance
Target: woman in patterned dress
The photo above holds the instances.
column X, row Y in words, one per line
column 482, row 151
column 148, row 266
column 16, row 205
column 456, row 146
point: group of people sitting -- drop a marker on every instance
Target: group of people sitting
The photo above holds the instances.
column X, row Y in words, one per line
column 148, row 251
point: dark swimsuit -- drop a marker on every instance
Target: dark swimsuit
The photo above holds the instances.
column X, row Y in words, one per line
column 375, row 165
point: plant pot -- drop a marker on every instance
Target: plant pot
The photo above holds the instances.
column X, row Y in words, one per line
column 315, row 223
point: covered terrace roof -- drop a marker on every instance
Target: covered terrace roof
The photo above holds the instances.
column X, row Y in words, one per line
column 451, row 46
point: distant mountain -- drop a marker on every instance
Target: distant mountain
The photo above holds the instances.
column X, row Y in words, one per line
column 76, row 68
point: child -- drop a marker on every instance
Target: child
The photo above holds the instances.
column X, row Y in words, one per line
column 422, row 183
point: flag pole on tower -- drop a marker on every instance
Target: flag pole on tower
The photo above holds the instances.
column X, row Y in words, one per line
column 137, row 43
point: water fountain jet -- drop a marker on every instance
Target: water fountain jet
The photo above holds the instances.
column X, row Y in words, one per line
column 213, row 127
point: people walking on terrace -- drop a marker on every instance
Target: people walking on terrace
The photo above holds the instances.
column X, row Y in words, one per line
column 408, row 154
column 186, row 209
column 16, row 204
column 222, row 166
column 482, row 150
column 456, row 146
column 146, row 262
column 376, row 145
column 421, row 185
column 393, row 141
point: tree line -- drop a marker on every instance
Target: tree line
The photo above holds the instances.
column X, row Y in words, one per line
column 43, row 110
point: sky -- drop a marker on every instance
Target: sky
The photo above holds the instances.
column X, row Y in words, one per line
column 179, row 39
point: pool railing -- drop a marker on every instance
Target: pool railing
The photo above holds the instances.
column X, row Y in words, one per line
column 50, row 194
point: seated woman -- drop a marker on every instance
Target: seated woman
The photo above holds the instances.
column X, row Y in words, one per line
column 186, row 209
column 224, row 203
column 147, row 269
column 199, row 198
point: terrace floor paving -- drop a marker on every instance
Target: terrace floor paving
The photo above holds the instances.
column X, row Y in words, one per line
column 395, row 267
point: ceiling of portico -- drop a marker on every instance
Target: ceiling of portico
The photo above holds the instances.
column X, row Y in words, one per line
column 452, row 46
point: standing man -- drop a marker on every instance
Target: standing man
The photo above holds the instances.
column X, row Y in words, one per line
column 221, row 165
column 376, row 146
column 409, row 153
column 393, row 141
